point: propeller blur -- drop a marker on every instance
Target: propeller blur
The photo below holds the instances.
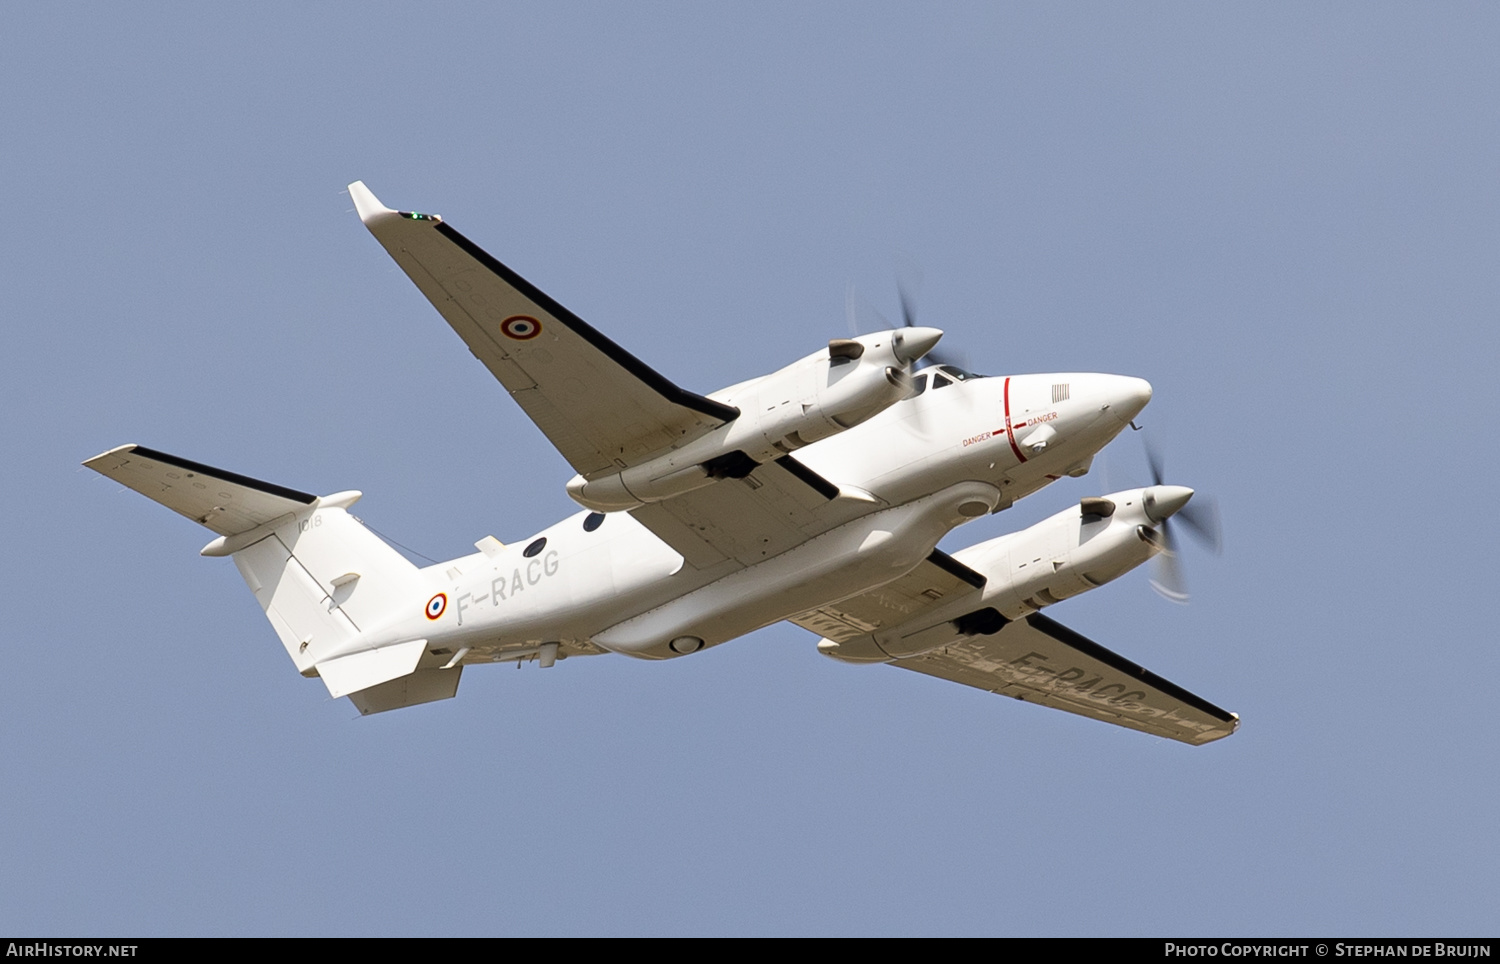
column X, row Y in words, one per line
column 1201, row 518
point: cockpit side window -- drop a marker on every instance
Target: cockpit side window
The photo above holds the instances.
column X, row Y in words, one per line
column 919, row 385
column 940, row 381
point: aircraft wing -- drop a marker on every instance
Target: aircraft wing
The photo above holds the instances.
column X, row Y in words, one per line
column 778, row 506
column 937, row 581
column 601, row 406
column 1041, row 661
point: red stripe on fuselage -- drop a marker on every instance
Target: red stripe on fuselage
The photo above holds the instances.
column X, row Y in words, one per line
column 1010, row 431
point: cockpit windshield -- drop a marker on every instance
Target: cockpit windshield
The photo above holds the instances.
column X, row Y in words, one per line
column 940, row 376
column 959, row 374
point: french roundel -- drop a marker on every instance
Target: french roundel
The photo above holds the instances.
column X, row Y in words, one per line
column 520, row 327
column 436, row 605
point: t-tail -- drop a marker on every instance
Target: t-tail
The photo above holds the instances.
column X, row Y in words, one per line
column 325, row 582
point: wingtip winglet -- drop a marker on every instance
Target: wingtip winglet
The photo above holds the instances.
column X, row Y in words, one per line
column 118, row 450
column 366, row 203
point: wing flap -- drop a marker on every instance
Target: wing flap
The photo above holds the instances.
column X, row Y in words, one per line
column 599, row 405
column 226, row 502
column 1041, row 661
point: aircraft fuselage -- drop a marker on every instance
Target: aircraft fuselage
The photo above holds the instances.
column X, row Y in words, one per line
column 921, row 467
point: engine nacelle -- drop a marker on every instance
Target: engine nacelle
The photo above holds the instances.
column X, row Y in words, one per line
column 1081, row 548
column 825, row 393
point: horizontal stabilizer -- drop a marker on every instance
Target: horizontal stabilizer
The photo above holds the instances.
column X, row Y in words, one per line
column 423, row 686
column 360, row 671
column 226, row 502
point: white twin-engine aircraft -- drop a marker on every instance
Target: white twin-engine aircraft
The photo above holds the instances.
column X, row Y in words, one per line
column 816, row 494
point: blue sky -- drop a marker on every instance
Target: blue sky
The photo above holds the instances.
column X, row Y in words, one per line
column 1285, row 216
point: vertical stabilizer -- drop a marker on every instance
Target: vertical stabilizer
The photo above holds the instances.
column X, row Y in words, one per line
column 322, row 579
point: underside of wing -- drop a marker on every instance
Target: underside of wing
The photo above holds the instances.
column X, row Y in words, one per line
column 601, row 406
column 776, row 507
column 939, row 580
column 1041, row 661
column 226, row 502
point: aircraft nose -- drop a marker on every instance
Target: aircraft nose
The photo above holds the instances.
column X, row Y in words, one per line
column 1127, row 396
column 1163, row 501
